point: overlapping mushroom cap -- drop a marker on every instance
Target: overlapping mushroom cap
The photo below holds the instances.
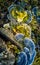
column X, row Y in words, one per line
column 18, row 13
column 26, row 57
column 24, row 29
